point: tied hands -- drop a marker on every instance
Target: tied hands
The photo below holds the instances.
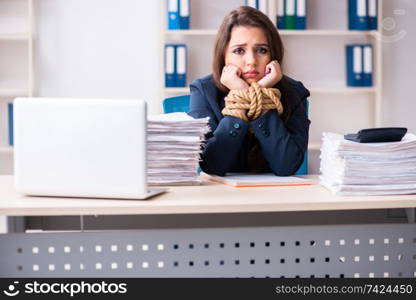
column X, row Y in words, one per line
column 239, row 91
column 231, row 77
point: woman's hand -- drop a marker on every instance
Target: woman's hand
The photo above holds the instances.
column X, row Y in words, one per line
column 273, row 75
column 231, row 78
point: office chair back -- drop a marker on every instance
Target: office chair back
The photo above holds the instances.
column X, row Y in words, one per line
column 181, row 104
column 176, row 104
column 303, row 169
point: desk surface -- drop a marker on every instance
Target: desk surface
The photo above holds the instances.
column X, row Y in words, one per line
column 207, row 198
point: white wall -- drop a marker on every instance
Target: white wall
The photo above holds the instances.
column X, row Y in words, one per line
column 399, row 100
column 97, row 48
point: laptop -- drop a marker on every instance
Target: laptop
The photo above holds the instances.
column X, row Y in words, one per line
column 69, row 147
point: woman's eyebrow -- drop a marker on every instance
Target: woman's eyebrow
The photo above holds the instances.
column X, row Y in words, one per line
column 245, row 44
column 262, row 45
column 239, row 45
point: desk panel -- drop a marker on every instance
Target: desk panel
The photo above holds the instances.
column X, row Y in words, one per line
column 285, row 251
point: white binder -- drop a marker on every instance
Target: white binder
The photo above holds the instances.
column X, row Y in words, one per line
column 358, row 62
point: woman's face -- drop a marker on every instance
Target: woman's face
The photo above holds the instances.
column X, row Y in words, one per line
column 249, row 50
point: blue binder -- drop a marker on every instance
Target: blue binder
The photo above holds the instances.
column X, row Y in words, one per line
column 181, row 65
column 368, row 65
column 354, row 59
column 10, row 114
column 184, row 10
column 300, row 22
column 372, row 14
column 170, row 65
column 173, row 14
column 357, row 15
column 280, row 18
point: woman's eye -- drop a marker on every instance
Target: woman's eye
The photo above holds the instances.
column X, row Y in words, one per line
column 238, row 51
column 262, row 50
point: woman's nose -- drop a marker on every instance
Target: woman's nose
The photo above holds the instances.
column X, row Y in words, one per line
column 251, row 58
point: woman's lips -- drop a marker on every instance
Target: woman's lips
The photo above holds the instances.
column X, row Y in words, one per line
column 250, row 74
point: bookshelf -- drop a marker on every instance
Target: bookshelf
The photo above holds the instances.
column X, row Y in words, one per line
column 313, row 91
column 281, row 32
column 334, row 106
column 16, row 64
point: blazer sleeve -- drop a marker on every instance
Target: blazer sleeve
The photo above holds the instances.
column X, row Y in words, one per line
column 283, row 145
column 225, row 140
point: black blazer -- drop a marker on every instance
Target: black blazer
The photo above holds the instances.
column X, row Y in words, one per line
column 282, row 144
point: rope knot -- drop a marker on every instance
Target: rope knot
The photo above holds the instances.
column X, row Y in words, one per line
column 249, row 104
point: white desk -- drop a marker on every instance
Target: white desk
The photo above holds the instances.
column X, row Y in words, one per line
column 207, row 198
column 363, row 250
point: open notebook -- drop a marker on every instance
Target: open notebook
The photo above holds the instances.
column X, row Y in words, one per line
column 255, row 180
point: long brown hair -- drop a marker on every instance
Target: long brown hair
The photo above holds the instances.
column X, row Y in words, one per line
column 248, row 16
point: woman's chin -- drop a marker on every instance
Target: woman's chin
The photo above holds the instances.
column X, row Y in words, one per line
column 251, row 80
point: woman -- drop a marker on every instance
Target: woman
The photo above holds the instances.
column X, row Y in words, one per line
column 247, row 55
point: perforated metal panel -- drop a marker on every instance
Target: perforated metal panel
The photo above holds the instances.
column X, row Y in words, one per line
column 306, row 251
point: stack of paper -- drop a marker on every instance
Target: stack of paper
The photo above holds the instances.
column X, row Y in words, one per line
column 351, row 168
column 173, row 148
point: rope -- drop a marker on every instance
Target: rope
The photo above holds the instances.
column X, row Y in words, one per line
column 249, row 104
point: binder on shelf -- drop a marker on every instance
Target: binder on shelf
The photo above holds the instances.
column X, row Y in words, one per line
column 261, row 5
column 290, row 14
column 372, row 14
column 10, row 115
column 184, row 14
column 173, row 15
column 357, row 15
column 354, row 55
column 280, row 21
column 181, row 65
column 368, row 65
column 252, row 3
column 300, row 23
column 170, row 65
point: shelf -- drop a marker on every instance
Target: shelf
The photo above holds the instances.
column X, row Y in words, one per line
column 310, row 32
column 316, row 32
column 6, row 149
column 23, row 36
column 13, row 92
column 342, row 90
column 192, row 32
column 14, row 88
column 318, row 90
